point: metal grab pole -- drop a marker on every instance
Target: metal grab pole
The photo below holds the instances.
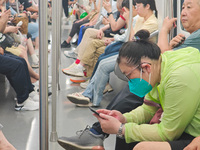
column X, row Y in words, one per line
column 130, row 18
column 43, row 75
column 56, row 6
column 17, row 6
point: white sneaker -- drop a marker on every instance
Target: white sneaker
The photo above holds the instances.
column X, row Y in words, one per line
column 70, row 54
column 78, row 98
column 84, row 84
column 75, row 71
column 35, row 65
column 34, row 95
column 71, row 66
column 28, row 104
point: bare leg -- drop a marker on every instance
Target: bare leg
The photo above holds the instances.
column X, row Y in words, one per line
column 32, row 73
column 152, row 146
column 37, row 43
column 4, row 144
column 68, row 39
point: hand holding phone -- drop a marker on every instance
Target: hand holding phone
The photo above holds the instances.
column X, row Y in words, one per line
column 94, row 111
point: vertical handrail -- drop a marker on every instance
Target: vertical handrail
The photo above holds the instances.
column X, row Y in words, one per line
column 99, row 15
column 17, row 5
column 43, row 56
column 56, row 17
column 130, row 18
column 171, row 15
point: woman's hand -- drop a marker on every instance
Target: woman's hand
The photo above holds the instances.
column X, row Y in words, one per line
column 108, row 41
column 109, row 124
column 126, row 14
column 100, row 34
column 114, row 113
column 12, row 29
column 107, row 6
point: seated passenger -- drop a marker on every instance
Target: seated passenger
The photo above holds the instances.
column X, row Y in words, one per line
column 88, row 52
column 89, row 20
column 191, row 23
column 94, row 91
column 140, row 61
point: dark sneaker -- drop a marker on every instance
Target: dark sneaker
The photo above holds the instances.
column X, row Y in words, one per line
column 86, row 140
column 65, row 45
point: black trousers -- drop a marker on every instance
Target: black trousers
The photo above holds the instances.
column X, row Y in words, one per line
column 16, row 71
column 76, row 27
column 124, row 102
column 65, row 7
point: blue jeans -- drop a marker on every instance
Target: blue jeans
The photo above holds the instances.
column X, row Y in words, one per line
column 110, row 50
column 98, row 82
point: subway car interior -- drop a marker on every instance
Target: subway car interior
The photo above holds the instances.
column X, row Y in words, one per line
column 57, row 116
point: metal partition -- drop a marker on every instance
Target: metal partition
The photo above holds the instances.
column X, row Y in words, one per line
column 43, row 30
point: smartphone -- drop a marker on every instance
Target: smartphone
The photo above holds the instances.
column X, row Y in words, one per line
column 103, row 16
column 94, row 111
column 8, row 7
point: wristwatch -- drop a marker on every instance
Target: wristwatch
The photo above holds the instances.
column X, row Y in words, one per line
column 119, row 133
column 108, row 14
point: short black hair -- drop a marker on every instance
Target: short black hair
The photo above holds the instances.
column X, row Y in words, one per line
column 125, row 3
column 133, row 51
column 152, row 4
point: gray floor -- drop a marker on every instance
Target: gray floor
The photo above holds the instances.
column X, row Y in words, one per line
column 22, row 128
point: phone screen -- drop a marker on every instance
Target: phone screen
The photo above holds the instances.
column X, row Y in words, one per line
column 94, row 111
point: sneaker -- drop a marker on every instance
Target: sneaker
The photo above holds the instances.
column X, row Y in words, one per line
column 78, row 79
column 84, row 140
column 65, row 45
column 75, row 71
column 84, row 105
column 85, row 84
column 70, row 54
column 35, row 65
column 34, row 95
column 71, row 66
column 75, row 43
column 108, row 88
column 28, row 104
column 78, row 98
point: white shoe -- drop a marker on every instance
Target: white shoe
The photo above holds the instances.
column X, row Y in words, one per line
column 35, row 65
column 28, row 104
column 75, row 71
column 71, row 66
column 34, row 95
column 84, row 84
column 78, row 98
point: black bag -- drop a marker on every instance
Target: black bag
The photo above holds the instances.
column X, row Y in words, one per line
column 6, row 40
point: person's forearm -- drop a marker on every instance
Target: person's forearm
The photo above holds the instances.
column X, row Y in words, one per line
column 105, row 27
column 163, row 40
column 31, row 9
column 3, row 26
